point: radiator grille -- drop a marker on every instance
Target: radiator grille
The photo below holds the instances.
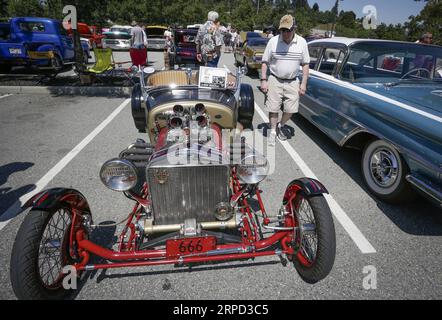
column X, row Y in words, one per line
column 188, row 192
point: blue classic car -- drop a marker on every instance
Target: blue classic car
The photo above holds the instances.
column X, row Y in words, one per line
column 37, row 42
column 385, row 98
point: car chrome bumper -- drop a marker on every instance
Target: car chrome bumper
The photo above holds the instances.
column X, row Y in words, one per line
column 430, row 191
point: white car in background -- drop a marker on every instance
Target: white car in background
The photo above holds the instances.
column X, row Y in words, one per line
column 117, row 38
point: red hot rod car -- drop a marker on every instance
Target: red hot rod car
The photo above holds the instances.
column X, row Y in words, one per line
column 185, row 212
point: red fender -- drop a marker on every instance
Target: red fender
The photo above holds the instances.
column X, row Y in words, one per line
column 50, row 198
column 311, row 187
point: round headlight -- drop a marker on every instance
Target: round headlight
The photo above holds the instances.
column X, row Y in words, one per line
column 253, row 169
column 119, row 175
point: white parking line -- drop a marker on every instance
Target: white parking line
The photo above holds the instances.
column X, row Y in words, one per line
column 15, row 209
column 355, row 234
column 6, row 95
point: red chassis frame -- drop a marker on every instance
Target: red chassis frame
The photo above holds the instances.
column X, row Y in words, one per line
column 252, row 243
column 251, row 246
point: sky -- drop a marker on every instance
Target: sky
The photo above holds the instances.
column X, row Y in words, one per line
column 388, row 11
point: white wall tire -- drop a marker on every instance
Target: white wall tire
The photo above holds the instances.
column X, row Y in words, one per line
column 384, row 172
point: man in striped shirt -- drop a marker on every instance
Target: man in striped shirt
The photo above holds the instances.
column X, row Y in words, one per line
column 284, row 55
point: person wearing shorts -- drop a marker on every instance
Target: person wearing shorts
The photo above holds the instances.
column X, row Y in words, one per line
column 283, row 57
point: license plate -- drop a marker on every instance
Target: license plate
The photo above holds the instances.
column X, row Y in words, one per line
column 189, row 246
column 15, row 51
column 40, row 54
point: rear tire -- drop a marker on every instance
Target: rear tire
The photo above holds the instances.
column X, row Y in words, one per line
column 246, row 106
column 40, row 244
column 57, row 64
column 384, row 172
column 316, row 249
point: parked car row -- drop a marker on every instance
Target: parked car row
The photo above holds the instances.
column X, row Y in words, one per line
column 44, row 43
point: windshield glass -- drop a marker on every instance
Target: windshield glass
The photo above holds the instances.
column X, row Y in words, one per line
column 117, row 35
column 117, row 29
column 186, row 39
column 158, row 96
column 32, row 26
column 384, row 62
column 257, row 42
column 153, row 32
column 5, row 30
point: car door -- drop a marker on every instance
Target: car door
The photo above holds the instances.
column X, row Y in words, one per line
column 319, row 103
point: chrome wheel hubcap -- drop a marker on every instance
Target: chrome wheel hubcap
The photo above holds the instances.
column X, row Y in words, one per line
column 384, row 168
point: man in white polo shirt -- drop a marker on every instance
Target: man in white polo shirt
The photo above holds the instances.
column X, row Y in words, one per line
column 284, row 55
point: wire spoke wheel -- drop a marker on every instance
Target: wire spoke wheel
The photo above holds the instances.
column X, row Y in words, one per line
column 314, row 241
column 41, row 250
column 307, row 238
column 52, row 252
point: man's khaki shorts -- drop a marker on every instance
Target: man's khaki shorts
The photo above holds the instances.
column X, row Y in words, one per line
column 279, row 91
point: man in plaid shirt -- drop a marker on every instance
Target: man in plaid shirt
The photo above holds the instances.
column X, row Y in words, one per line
column 209, row 41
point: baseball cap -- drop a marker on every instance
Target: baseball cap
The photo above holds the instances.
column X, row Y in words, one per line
column 287, row 22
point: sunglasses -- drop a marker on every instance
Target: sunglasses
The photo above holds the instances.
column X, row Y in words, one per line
column 286, row 30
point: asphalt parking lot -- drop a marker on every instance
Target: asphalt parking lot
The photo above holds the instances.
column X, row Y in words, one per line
column 50, row 140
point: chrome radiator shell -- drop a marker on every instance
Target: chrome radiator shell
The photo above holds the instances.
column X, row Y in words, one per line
column 185, row 191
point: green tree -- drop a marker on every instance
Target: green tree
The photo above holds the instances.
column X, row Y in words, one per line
column 428, row 20
column 20, row 8
column 315, row 7
column 347, row 19
column 243, row 15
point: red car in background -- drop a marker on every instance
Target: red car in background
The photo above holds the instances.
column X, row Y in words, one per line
column 90, row 32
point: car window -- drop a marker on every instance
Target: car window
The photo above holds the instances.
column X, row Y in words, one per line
column 117, row 35
column 390, row 61
column 438, row 69
column 4, row 32
column 331, row 59
column 153, row 32
column 116, row 29
column 186, row 40
column 32, row 26
column 314, row 55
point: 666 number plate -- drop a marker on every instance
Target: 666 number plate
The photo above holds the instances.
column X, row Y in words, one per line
column 189, row 246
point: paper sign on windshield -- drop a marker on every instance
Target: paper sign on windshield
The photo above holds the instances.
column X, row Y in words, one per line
column 212, row 78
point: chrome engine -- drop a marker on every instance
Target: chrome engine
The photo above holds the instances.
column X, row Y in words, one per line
column 187, row 171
